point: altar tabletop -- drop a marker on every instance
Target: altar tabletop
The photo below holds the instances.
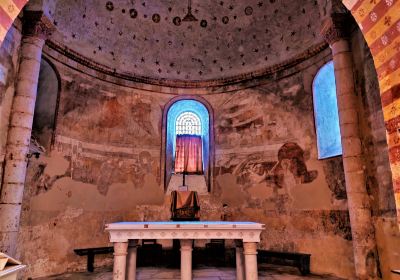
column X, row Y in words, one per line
column 246, row 231
column 185, row 224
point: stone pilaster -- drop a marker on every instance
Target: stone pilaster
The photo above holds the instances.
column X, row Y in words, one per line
column 336, row 32
column 35, row 29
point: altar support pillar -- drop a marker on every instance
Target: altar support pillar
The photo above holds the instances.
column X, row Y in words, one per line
column 239, row 260
column 120, row 252
column 131, row 260
column 36, row 28
column 186, row 259
column 335, row 31
column 250, row 260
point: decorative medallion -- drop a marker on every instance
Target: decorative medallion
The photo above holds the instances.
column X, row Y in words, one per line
column 109, row 6
column 177, row 21
column 225, row 20
column 203, row 23
column 156, row 18
column 133, row 13
column 248, row 11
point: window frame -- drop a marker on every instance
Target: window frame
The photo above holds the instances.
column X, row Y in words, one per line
column 209, row 161
column 318, row 132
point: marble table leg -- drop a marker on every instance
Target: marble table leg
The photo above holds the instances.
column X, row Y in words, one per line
column 186, row 259
column 239, row 260
column 131, row 260
column 250, row 260
column 120, row 252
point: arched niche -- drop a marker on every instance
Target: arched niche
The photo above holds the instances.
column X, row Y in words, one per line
column 46, row 106
column 171, row 111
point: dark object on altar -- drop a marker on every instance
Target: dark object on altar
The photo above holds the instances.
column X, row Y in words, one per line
column 185, row 206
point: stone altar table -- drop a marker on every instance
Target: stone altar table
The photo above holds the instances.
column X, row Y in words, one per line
column 129, row 232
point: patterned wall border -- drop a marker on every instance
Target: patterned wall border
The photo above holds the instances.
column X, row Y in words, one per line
column 65, row 52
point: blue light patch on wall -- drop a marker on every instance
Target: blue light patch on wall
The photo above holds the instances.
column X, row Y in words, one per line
column 326, row 113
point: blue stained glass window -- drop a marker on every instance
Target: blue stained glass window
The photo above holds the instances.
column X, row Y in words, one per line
column 326, row 113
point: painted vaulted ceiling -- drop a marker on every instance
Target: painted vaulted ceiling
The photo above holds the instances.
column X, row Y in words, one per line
column 150, row 38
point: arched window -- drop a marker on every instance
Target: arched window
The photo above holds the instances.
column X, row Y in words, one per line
column 326, row 113
column 187, row 143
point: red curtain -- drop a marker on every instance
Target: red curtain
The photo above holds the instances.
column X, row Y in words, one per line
column 188, row 155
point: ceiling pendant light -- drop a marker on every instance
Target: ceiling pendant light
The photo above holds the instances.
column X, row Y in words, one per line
column 189, row 16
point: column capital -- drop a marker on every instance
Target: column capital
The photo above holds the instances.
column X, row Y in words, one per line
column 336, row 27
column 186, row 244
column 250, row 248
column 120, row 248
column 37, row 24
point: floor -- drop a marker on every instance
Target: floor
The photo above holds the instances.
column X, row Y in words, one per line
column 207, row 273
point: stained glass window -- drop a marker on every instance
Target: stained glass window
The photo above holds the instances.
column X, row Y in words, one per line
column 188, row 123
column 326, row 113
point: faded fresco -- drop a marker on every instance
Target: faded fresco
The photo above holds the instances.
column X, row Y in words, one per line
column 264, row 145
column 104, row 117
column 276, row 176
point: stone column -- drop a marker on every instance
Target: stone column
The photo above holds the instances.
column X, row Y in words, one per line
column 35, row 29
column 239, row 260
column 131, row 260
column 186, row 259
column 120, row 252
column 335, row 31
column 250, row 260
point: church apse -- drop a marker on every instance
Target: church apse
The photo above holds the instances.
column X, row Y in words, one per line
column 105, row 166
